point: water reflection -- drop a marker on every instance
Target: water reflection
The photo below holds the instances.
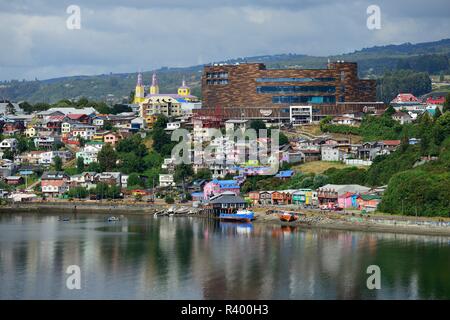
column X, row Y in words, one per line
column 191, row 258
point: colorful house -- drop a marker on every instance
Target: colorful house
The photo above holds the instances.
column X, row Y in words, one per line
column 254, row 197
column 265, row 197
column 54, row 183
column 348, row 200
column 280, row 197
column 305, row 197
column 284, row 175
column 368, row 202
column 216, row 187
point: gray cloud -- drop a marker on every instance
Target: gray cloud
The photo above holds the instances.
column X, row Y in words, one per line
column 124, row 36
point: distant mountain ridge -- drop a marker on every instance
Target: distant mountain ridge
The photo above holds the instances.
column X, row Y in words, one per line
column 432, row 57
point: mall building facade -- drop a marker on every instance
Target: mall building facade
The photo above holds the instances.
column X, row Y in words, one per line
column 250, row 90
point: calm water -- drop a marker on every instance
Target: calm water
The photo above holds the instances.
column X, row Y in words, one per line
column 190, row 258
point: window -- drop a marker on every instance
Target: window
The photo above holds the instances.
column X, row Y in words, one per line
column 303, row 99
column 295, row 79
column 295, row 89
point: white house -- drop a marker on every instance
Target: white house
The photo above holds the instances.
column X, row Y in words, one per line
column 173, row 126
column 402, row 117
column 8, row 144
column 166, row 180
column 65, row 127
column 47, row 158
column 84, row 131
column 89, row 153
column 332, row 153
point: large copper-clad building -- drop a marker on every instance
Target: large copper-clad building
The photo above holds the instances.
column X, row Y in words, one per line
column 251, row 90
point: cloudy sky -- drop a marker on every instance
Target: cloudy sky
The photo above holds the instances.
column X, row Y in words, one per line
column 128, row 35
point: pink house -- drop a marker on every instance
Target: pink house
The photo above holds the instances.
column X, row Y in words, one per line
column 111, row 138
column 348, row 200
column 216, row 187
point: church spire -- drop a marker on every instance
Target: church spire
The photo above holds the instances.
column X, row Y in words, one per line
column 139, row 93
column 139, row 80
column 154, row 89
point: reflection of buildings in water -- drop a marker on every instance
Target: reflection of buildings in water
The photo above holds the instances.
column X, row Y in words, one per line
column 174, row 259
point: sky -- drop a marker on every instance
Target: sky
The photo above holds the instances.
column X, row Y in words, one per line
column 130, row 35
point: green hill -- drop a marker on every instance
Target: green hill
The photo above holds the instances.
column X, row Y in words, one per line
column 431, row 57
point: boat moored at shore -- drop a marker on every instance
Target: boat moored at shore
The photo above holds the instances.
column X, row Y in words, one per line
column 240, row 215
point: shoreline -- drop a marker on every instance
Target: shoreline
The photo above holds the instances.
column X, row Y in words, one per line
column 314, row 221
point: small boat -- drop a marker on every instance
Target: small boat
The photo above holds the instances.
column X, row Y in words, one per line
column 65, row 219
column 240, row 215
column 288, row 216
column 112, row 218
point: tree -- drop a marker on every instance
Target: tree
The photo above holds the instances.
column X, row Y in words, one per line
column 101, row 190
column 169, row 199
column 81, row 141
column 393, row 83
column 93, row 167
column 134, row 180
column 161, row 122
column 446, row 106
column 119, row 108
column 153, row 159
column 258, row 125
column 152, row 175
column 107, row 158
column 130, row 162
column 131, row 97
column 78, row 192
column 107, row 125
column 113, row 192
column 437, row 114
column 390, row 111
column 283, row 139
column 203, row 174
column 183, row 172
column 160, row 139
column 80, row 164
column 57, row 163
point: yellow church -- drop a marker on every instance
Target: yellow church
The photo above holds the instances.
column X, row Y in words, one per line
column 155, row 103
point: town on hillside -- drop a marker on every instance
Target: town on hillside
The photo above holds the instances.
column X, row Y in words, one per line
column 338, row 148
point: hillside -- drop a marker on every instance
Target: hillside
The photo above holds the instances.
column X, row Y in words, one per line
column 432, row 57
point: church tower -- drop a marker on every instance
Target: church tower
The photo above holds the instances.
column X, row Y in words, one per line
column 154, row 89
column 184, row 90
column 139, row 93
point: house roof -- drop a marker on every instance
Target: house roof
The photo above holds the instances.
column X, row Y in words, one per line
column 230, row 198
column 404, row 97
column 285, row 174
column 76, row 116
column 343, row 188
column 401, row 114
column 53, row 175
column 391, row 142
column 228, row 184
column 370, row 197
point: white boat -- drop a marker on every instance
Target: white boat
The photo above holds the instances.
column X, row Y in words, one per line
column 112, row 218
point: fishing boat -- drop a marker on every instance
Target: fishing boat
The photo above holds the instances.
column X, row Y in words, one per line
column 112, row 218
column 240, row 215
column 288, row 216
